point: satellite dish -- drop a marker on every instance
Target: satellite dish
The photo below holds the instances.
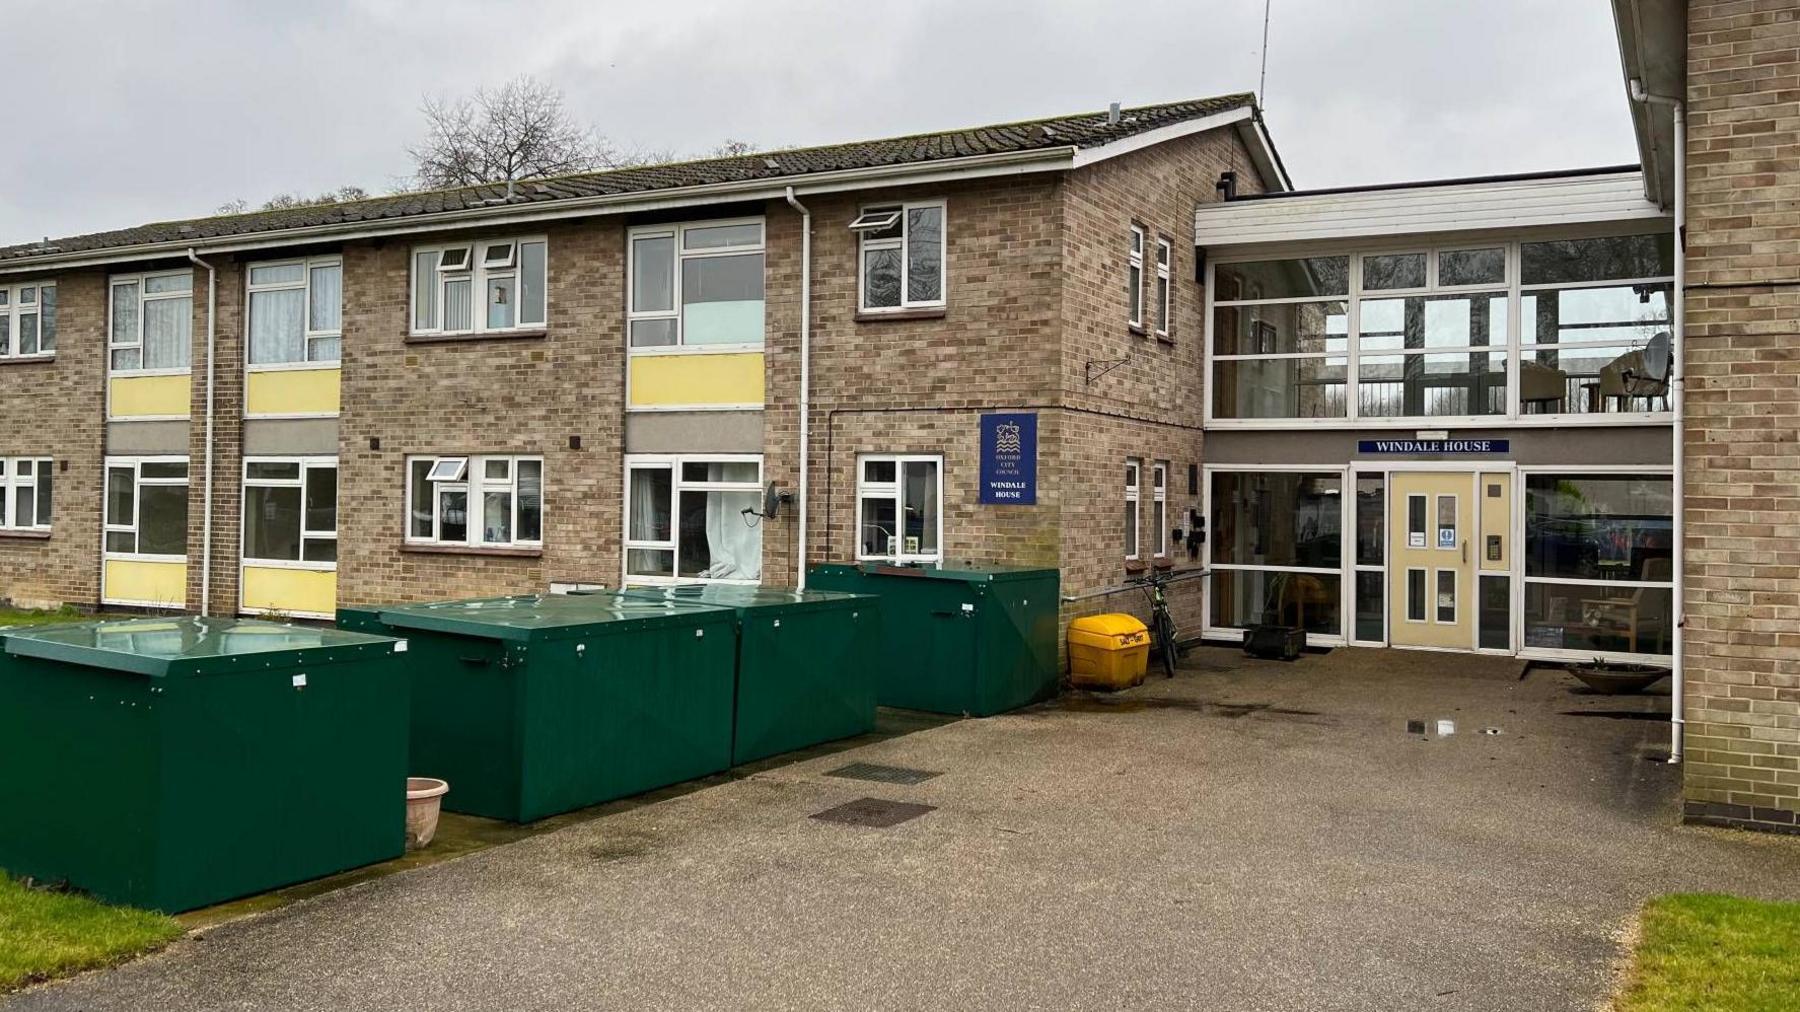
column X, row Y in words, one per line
column 771, row 505
column 1656, row 358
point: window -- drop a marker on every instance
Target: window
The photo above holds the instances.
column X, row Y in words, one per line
column 901, row 256
column 900, row 502
column 1159, row 508
column 152, row 325
column 147, row 507
column 296, row 311
column 1276, row 546
column 1599, row 571
column 1134, row 279
column 1133, row 474
column 1446, row 596
column 290, row 511
column 25, row 493
column 27, row 320
column 478, row 502
column 454, row 292
column 693, row 518
column 1537, row 328
column 1371, row 553
column 1164, row 294
column 697, row 285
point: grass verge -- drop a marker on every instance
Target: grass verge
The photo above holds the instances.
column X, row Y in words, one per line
column 48, row 934
column 1719, row 953
column 16, row 617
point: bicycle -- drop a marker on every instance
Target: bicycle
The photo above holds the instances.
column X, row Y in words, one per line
column 1162, row 624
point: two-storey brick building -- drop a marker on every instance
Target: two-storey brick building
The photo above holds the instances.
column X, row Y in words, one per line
column 595, row 379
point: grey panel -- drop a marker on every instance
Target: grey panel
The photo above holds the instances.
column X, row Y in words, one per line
column 1648, row 444
column 290, row 437
column 694, row 432
column 144, row 438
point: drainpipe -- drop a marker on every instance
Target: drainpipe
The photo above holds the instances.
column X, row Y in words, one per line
column 805, row 374
column 1677, row 387
column 206, row 519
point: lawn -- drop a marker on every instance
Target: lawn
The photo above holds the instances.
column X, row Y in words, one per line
column 48, row 934
column 16, row 617
column 1718, row 953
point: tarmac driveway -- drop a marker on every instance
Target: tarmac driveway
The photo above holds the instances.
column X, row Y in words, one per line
column 1248, row 836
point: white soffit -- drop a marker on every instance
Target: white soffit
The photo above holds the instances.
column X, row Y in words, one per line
column 1423, row 209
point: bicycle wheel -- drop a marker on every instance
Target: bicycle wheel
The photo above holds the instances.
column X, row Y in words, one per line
column 1165, row 637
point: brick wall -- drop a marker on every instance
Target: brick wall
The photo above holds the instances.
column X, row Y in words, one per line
column 58, row 409
column 1742, row 652
column 227, row 439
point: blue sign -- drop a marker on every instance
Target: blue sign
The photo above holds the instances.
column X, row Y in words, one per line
column 1009, row 459
column 1433, row 445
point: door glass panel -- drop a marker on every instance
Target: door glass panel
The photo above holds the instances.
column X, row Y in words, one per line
column 1446, row 596
column 1415, row 521
column 1446, row 521
column 1246, row 597
column 1496, row 612
column 1371, row 520
column 1415, row 595
column 1371, row 605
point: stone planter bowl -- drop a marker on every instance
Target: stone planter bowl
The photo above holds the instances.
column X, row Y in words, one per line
column 1618, row 679
column 423, row 796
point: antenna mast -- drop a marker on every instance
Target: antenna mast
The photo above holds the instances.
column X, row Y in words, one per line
column 1262, row 79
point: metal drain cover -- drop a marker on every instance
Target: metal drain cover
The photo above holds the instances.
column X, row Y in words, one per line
column 883, row 774
column 874, row 813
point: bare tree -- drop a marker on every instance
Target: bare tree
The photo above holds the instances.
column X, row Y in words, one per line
column 340, row 195
column 732, row 147
column 519, row 130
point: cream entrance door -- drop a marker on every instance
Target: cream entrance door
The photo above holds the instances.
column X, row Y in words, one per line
column 1431, row 559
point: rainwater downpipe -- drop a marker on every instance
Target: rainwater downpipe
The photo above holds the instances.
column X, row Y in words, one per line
column 206, row 500
column 805, row 377
column 1677, row 386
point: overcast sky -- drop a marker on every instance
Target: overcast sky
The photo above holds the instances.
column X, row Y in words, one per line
column 138, row 111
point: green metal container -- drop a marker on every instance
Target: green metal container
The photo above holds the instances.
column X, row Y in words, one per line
column 531, row 706
column 959, row 638
column 180, row 762
column 805, row 664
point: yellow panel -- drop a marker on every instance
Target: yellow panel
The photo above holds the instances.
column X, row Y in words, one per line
column 696, row 380
column 150, row 396
column 292, row 392
column 290, row 591
column 154, row 584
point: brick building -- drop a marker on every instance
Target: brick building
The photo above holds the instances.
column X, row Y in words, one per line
column 590, row 379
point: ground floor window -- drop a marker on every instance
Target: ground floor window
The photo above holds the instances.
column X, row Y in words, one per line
column 1599, row 570
column 693, row 517
column 899, row 508
column 477, row 501
column 290, row 510
column 147, row 507
column 1277, row 549
column 25, row 493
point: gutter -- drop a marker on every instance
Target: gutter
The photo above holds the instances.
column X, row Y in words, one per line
column 805, row 376
column 206, row 520
column 1677, row 386
column 943, row 170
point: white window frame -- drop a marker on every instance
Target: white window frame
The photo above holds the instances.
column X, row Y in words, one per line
column 1165, row 259
column 1134, row 528
column 864, row 228
column 310, row 334
column 673, row 464
column 12, row 482
column 678, row 234
column 1134, row 278
column 474, row 482
column 478, row 273
column 136, row 464
column 896, row 490
column 306, row 466
column 1347, row 520
column 1159, row 509
column 143, row 297
column 1515, row 344
column 14, row 311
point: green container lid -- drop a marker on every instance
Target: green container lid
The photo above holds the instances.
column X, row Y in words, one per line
column 967, row 572
column 182, row 646
column 549, row 616
column 742, row 598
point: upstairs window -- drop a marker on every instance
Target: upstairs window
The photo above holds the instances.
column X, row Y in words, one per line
column 902, row 256
column 25, row 493
column 296, row 311
column 27, row 320
column 477, row 502
column 482, row 287
column 1134, row 279
column 697, row 286
column 152, row 325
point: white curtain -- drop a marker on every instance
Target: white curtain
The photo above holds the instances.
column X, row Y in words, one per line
column 277, row 326
column 732, row 542
column 168, row 333
column 650, row 506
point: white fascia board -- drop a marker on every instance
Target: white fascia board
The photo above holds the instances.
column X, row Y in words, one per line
column 913, row 173
column 1160, row 135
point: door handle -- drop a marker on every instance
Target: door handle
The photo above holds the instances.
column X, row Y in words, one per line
column 1465, row 551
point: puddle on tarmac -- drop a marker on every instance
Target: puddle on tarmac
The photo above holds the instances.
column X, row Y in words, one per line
column 1082, row 703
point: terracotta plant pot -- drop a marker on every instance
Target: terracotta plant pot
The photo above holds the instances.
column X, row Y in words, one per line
column 423, row 796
